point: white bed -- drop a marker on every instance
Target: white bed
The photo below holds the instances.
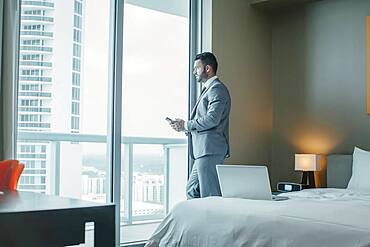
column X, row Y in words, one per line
column 315, row 217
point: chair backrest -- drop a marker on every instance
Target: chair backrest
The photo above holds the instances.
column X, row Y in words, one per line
column 10, row 171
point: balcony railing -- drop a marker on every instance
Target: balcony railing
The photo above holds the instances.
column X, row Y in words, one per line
column 37, row 18
column 34, row 109
column 33, row 125
column 37, row 33
column 35, row 94
column 35, row 78
column 35, row 63
column 35, row 48
column 38, row 3
column 129, row 214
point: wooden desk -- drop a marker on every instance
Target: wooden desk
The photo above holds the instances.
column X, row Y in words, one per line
column 33, row 219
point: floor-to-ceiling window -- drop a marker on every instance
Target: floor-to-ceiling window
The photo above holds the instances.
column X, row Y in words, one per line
column 64, row 105
column 63, row 98
column 155, row 86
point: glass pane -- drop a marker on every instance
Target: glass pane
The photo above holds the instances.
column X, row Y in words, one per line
column 62, row 97
column 149, row 189
column 155, row 86
column 155, row 70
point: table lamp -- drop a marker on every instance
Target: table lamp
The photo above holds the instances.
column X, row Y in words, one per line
column 308, row 163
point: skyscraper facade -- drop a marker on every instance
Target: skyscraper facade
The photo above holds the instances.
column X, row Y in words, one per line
column 49, row 94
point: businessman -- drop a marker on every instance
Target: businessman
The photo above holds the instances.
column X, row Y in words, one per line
column 208, row 129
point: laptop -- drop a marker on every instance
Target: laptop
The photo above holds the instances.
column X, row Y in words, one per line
column 244, row 181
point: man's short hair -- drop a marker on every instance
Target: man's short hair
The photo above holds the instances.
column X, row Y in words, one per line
column 207, row 58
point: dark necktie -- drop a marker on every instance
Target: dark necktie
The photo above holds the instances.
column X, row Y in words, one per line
column 200, row 96
column 203, row 89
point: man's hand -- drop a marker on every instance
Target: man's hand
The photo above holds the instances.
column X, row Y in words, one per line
column 178, row 124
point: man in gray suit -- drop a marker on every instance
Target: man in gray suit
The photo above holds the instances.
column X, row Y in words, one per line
column 208, row 129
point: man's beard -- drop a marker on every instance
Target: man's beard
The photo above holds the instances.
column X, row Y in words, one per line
column 202, row 77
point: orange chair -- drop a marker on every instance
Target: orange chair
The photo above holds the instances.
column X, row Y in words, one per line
column 10, row 171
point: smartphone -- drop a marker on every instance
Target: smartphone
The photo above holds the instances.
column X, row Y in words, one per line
column 169, row 120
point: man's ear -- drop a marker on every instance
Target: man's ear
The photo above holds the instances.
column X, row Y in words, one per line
column 208, row 68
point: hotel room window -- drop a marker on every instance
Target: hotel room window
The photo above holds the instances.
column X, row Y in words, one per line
column 77, row 21
column 155, row 86
column 75, row 93
column 77, row 35
column 71, row 100
column 75, row 108
column 76, row 50
column 76, row 64
column 64, row 104
column 75, row 79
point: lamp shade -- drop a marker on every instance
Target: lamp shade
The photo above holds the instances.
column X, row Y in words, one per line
column 307, row 162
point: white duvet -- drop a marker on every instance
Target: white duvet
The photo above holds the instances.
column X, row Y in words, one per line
column 317, row 217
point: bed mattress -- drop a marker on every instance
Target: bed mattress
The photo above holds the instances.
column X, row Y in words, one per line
column 314, row 217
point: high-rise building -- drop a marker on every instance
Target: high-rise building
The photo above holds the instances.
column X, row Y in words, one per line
column 49, row 87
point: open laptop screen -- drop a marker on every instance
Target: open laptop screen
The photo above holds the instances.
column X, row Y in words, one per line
column 244, row 181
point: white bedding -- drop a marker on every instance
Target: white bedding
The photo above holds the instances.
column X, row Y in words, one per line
column 316, row 217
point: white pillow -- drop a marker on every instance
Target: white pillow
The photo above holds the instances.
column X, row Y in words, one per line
column 360, row 179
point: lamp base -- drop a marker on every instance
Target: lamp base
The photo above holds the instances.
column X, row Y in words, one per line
column 308, row 179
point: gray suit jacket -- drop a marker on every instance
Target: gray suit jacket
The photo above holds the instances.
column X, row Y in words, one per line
column 209, row 122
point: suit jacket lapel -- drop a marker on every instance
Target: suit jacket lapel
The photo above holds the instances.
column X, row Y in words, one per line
column 201, row 95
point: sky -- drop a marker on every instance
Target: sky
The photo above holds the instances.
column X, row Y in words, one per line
column 155, row 70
